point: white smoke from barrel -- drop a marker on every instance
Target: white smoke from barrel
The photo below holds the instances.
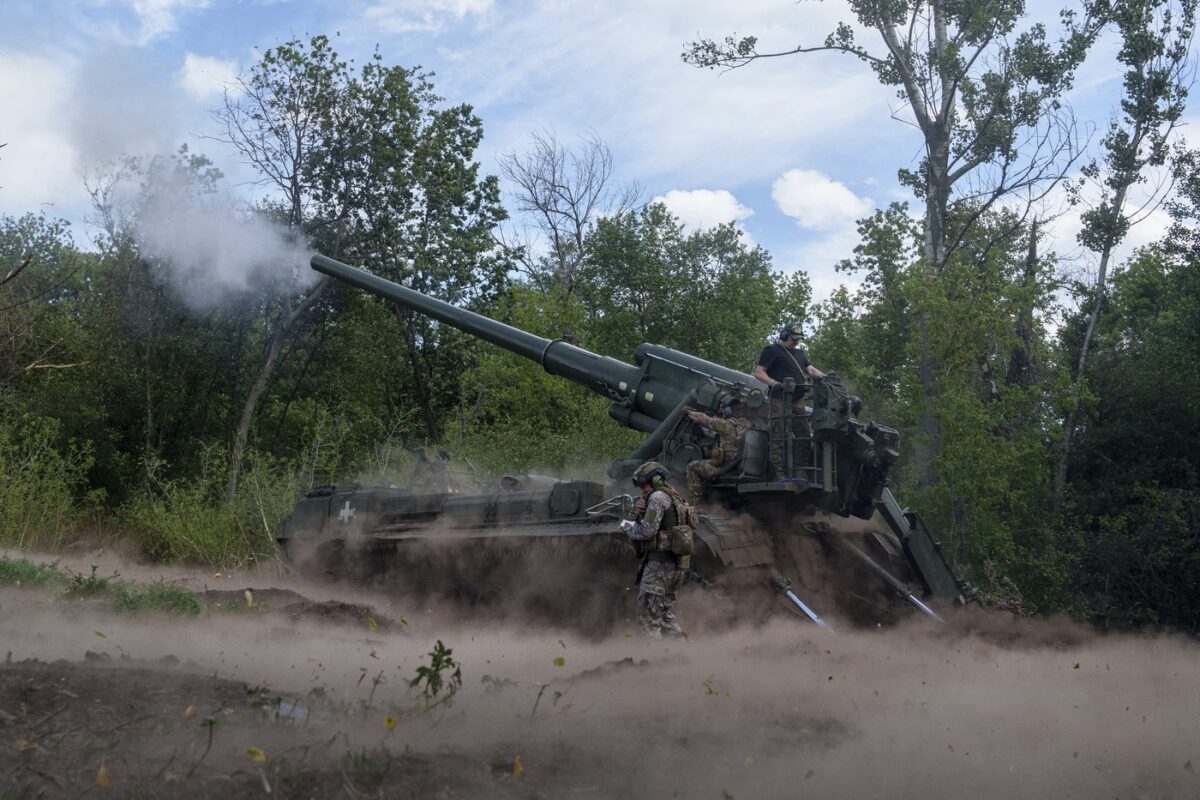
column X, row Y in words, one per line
column 211, row 253
column 200, row 240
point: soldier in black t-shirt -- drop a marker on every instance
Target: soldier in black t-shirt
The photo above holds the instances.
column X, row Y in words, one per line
column 778, row 362
column 785, row 359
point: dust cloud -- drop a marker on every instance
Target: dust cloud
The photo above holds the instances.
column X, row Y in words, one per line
column 984, row 707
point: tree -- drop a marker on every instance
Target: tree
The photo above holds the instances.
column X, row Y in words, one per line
column 284, row 121
column 1156, row 37
column 647, row 280
column 368, row 167
column 424, row 217
column 563, row 192
column 986, row 99
column 1134, row 487
column 37, row 261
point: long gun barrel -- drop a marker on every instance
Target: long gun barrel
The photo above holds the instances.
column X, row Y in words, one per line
column 646, row 396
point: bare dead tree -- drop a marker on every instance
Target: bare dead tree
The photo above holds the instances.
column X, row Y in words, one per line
column 561, row 192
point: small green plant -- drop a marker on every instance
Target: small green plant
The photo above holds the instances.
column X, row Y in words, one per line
column 443, row 674
column 90, row 585
column 368, row 770
column 22, row 572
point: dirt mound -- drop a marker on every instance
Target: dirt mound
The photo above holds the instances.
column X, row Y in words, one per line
column 338, row 613
column 297, row 607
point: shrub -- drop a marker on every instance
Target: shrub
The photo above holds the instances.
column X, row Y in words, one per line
column 40, row 481
column 191, row 519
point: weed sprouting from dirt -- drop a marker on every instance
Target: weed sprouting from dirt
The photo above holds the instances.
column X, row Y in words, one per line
column 91, row 584
column 209, row 723
column 443, row 674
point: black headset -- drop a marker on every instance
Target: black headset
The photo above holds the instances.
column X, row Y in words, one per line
column 793, row 330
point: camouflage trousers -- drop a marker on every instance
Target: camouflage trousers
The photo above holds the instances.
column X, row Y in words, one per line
column 801, row 437
column 656, row 598
column 697, row 473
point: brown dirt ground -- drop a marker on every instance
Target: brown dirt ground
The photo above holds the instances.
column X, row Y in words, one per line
column 115, row 705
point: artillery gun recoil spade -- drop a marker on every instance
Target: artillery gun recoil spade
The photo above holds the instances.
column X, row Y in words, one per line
column 814, row 507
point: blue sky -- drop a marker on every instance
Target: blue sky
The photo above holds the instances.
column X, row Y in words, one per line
column 793, row 149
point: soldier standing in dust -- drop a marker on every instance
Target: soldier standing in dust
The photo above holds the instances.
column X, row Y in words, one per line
column 661, row 513
column 725, row 455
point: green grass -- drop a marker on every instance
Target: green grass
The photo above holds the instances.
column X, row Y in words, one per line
column 157, row 596
column 368, row 770
column 22, row 572
column 125, row 595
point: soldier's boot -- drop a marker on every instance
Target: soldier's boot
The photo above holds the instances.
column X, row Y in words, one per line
column 671, row 627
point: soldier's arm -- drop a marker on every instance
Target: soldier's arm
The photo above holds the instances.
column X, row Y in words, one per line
column 647, row 527
column 723, row 427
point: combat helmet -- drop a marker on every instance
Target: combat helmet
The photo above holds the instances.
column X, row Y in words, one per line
column 652, row 473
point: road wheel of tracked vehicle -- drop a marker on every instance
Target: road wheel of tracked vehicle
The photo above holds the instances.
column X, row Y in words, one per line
column 490, row 597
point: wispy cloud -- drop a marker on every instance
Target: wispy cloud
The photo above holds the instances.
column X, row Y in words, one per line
column 204, row 78
column 423, row 16
column 156, row 18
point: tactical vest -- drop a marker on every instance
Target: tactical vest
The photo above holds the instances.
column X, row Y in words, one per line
column 677, row 529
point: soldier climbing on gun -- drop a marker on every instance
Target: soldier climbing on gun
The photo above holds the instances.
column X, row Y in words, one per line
column 729, row 429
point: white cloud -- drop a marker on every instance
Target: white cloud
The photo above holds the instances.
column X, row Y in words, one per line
column 157, row 17
column 38, row 166
column 816, row 202
column 701, row 209
column 204, row 77
column 429, row 16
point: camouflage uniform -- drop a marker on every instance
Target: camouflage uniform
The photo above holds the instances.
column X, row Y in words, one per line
column 724, row 455
column 660, row 576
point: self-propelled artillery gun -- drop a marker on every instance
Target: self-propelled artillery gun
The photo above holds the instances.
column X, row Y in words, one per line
column 803, row 511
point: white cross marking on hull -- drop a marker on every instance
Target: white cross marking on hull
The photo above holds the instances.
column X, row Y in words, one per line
column 347, row 513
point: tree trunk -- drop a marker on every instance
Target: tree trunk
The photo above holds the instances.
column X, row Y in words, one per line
column 930, row 443
column 1064, row 461
column 937, row 194
column 1021, row 362
column 148, row 442
column 287, row 320
column 418, row 375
